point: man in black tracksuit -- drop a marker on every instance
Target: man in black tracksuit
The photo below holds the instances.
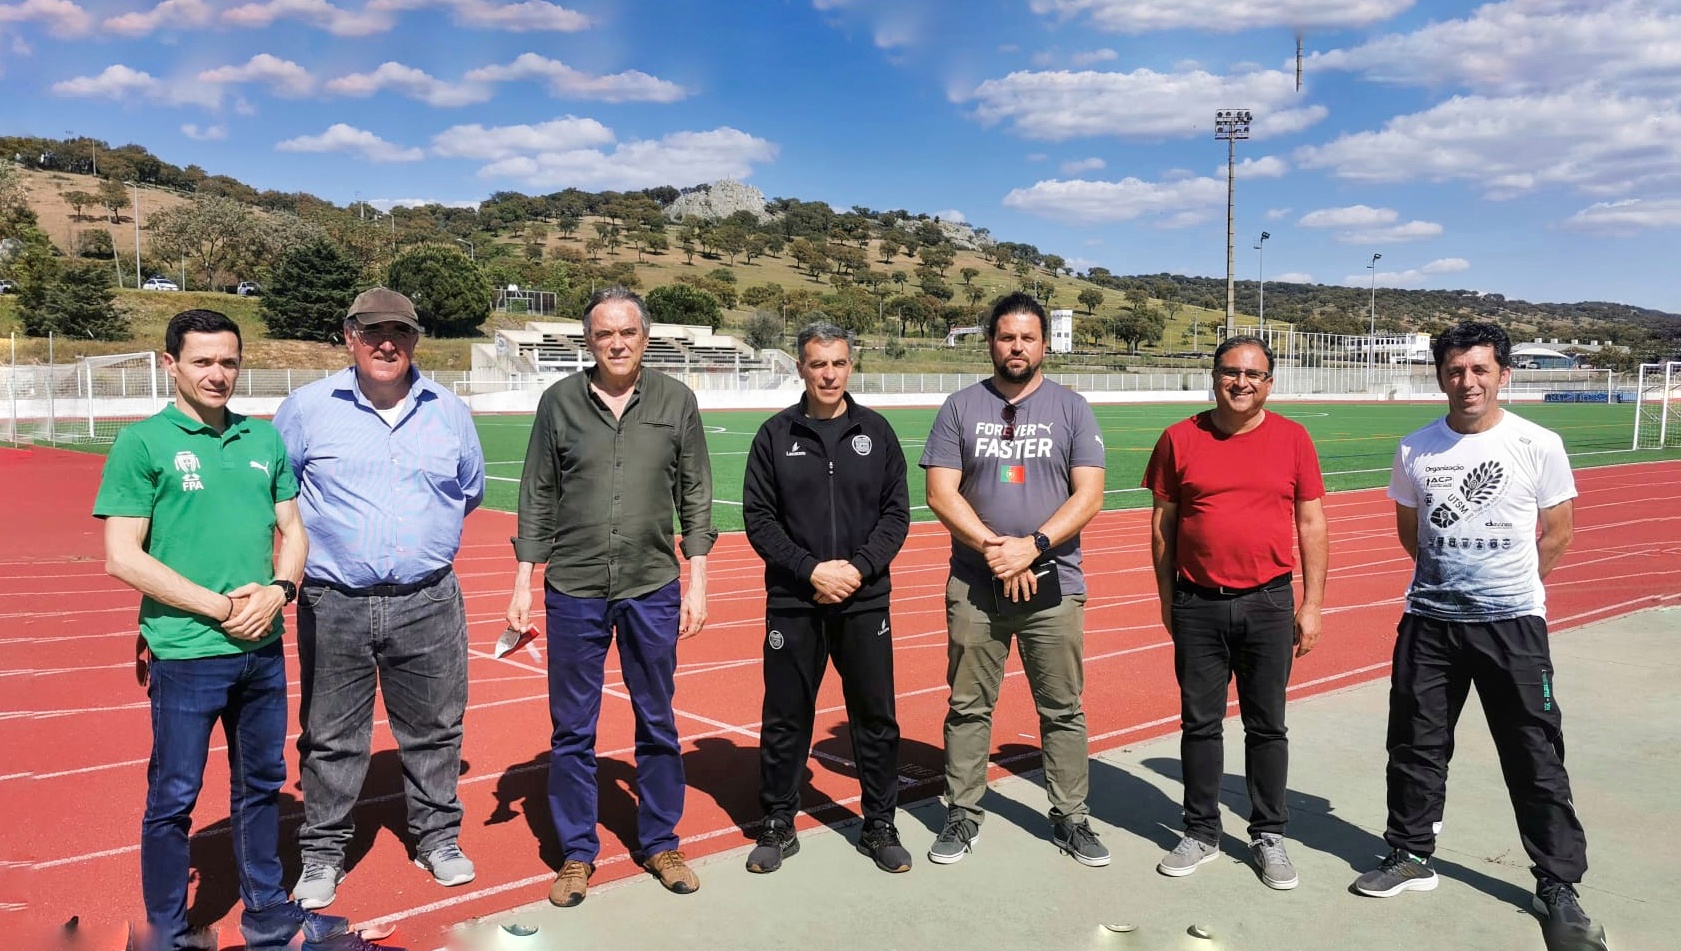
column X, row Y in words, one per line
column 826, row 506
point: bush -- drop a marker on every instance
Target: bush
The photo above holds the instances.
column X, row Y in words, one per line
column 764, row 330
column 683, row 304
column 896, row 348
column 95, row 244
column 78, row 302
column 451, row 295
column 310, row 293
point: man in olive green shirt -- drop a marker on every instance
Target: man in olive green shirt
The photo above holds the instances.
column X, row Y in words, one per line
column 613, row 452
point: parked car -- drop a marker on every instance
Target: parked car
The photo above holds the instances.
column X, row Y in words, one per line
column 248, row 289
column 158, row 282
column 7, row 287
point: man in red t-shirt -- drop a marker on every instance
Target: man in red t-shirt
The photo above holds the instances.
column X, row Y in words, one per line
column 1228, row 484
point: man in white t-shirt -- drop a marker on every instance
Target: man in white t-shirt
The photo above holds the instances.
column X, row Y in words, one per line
column 1470, row 491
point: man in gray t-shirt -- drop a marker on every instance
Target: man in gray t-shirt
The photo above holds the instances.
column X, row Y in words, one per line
column 1015, row 471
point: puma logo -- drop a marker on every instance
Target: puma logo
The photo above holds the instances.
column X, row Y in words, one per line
column 261, row 465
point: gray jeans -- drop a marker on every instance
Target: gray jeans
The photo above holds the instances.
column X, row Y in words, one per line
column 415, row 647
column 1051, row 642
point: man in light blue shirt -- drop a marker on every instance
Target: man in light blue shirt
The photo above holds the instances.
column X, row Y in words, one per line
column 388, row 466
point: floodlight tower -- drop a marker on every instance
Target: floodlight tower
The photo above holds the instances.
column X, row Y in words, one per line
column 1261, row 274
column 1371, row 341
column 1229, row 126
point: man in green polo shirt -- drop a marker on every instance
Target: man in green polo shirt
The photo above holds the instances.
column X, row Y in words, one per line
column 192, row 499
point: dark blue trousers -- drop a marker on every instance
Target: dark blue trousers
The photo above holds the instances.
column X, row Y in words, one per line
column 579, row 632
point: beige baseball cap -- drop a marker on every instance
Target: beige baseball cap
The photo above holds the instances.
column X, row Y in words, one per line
column 381, row 304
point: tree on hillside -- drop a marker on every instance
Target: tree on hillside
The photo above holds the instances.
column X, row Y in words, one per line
column 309, row 292
column 78, row 303
column 1139, row 326
column 764, row 330
column 683, row 304
column 1090, row 298
column 451, row 295
column 113, row 197
column 77, row 200
column 969, row 274
column 217, row 234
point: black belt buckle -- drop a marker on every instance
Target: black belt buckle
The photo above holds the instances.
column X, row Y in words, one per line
column 386, row 590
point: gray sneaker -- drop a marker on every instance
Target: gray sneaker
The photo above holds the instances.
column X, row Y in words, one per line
column 1078, row 840
column 317, row 886
column 1273, row 861
column 1186, row 856
column 448, row 865
column 955, row 841
column 1400, row 871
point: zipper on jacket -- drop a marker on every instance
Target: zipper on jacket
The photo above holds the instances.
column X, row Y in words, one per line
column 834, row 533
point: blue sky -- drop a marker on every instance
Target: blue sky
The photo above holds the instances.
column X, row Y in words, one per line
column 1530, row 147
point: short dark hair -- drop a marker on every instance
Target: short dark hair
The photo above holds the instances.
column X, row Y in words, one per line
column 822, row 331
column 1242, row 340
column 197, row 322
column 1472, row 333
column 1019, row 302
column 613, row 293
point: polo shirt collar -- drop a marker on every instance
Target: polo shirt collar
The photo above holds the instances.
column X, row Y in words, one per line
column 236, row 422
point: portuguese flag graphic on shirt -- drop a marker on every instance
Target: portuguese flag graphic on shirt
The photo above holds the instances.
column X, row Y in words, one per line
column 1015, row 475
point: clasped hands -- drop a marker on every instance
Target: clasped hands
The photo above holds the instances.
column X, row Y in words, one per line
column 835, row 581
column 1010, row 557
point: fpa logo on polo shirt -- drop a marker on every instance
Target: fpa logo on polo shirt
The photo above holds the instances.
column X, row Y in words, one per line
column 187, row 464
column 861, row 445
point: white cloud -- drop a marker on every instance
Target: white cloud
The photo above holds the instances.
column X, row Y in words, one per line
column 893, row 24
column 282, row 76
column 519, row 17
column 565, row 82
column 1141, row 104
column 340, row 137
column 170, row 14
column 1078, row 59
column 952, row 215
column 62, row 18
column 122, row 83
column 374, row 17
column 214, row 133
column 1627, row 217
column 410, row 82
column 1267, row 166
column 1292, row 277
column 565, row 134
column 1178, row 203
column 1229, row 16
column 681, row 158
column 1277, row 214
column 1411, row 277
column 379, row 16
column 1076, row 167
column 1588, row 139
column 1363, row 224
column 1529, row 46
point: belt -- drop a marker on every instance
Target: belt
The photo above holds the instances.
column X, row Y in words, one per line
column 383, row 590
column 1221, row 591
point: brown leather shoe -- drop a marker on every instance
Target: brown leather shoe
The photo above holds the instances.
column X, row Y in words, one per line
column 673, row 872
column 572, row 884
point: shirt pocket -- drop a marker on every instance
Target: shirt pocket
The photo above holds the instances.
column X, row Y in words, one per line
column 439, row 459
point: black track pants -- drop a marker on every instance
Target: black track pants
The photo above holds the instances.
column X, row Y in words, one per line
column 798, row 647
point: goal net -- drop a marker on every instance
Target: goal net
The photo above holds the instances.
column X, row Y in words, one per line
column 1657, row 422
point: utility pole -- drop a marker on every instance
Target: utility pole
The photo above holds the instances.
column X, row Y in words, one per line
column 1261, row 267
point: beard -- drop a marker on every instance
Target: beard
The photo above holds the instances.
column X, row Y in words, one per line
column 1015, row 376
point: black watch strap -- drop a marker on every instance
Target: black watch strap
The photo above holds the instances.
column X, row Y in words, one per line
column 288, row 587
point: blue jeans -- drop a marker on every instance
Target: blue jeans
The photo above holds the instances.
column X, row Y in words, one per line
column 247, row 694
column 579, row 631
column 414, row 647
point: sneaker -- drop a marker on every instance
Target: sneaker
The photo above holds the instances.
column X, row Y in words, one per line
column 1400, row 871
column 1564, row 925
column 1078, row 840
column 673, row 872
column 1273, row 861
column 881, row 843
column 332, row 933
column 776, row 843
column 448, row 865
column 1186, row 856
column 572, row 884
column 956, row 840
column 317, row 886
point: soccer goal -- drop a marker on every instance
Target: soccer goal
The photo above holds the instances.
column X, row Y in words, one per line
column 1657, row 422
column 111, row 392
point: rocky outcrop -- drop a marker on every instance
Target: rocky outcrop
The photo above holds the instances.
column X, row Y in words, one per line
column 718, row 201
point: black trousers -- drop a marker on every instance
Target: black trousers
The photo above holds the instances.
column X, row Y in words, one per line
column 1436, row 663
column 798, row 646
column 1215, row 637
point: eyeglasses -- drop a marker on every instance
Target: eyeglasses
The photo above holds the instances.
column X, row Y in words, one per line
column 1240, row 373
column 374, row 336
column 1009, row 432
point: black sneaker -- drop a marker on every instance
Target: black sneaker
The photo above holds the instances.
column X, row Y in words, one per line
column 881, row 842
column 956, row 840
column 1564, row 925
column 1400, row 871
column 1078, row 840
column 776, row 843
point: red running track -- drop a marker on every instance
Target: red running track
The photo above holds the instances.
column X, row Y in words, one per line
column 73, row 779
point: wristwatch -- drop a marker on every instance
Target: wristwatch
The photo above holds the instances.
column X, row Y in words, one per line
column 1042, row 542
column 288, row 587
